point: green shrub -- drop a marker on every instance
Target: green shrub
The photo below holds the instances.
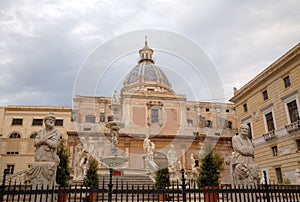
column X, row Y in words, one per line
column 63, row 169
column 92, row 179
column 162, row 178
column 210, row 170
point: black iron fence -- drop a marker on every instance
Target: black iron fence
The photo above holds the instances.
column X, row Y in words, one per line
column 114, row 190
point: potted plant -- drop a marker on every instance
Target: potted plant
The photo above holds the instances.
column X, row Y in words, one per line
column 162, row 181
column 91, row 179
column 63, row 170
column 209, row 174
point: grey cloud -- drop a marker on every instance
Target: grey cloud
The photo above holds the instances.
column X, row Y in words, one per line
column 41, row 55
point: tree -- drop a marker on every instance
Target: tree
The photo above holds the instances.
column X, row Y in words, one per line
column 63, row 170
column 91, row 179
column 162, row 178
column 210, row 169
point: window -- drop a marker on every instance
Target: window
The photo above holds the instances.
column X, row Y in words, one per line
column 279, row 175
column 188, row 109
column 154, row 115
column 102, row 117
column 274, row 150
column 18, row 122
column 189, row 122
column 265, row 95
column 90, row 119
column 196, row 163
column 150, row 90
column 287, row 81
column 229, row 124
column 196, row 134
column 59, row 122
column 293, row 111
column 12, row 152
column 291, row 107
column 245, row 107
column 87, row 129
column 227, row 110
column 209, row 123
column 225, row 123
column 10, row 168
column 37, row 122
column 32, row 136
column 270, row 121
column 298, row 144
column 250, row 131
column 15, row 135
column 207, row 109
column 110, row 118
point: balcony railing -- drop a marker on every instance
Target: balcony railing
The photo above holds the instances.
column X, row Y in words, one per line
column 293, row 126
column 269, row 135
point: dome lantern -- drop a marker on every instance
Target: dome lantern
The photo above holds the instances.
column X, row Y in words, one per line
column 146, row 53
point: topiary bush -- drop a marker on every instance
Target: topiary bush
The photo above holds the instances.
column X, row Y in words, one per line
column 209, row 173
column 91, row 179
column 162, row 178
column 63, row 169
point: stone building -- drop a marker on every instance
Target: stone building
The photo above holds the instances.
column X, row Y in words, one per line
column 146, row 105
column 269, row 104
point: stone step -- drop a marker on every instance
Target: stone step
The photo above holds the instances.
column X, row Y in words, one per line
column 130, row 180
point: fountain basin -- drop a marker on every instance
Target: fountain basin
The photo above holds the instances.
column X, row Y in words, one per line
column 113, row 161
column 115, row 125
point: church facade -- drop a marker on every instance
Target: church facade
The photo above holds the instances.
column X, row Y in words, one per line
column 147, row 105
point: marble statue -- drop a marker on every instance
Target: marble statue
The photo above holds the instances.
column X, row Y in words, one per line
column 116, row 99
column 114, row 142
column 244, row 171
column 84, row 162
column 193, row 167
column 80, row 162
column 147, row 144
column 151, row 151
column 172, row 156
column 77, row 169
column 262, row 179
column 172, row 162
column 42, row 172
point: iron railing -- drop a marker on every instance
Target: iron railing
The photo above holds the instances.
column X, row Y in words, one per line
column 114, row 190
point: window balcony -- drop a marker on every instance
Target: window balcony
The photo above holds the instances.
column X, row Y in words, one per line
column 293, row 126
column 269, row 135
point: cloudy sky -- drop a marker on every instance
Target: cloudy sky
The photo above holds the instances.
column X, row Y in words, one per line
column 43, row 44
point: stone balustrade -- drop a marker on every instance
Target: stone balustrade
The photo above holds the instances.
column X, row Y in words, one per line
column 293, row 126
column 269, row 135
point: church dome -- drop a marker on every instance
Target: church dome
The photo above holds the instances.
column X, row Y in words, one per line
column 146, row 73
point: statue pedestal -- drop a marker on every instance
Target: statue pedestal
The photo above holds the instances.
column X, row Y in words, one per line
column 42, row 176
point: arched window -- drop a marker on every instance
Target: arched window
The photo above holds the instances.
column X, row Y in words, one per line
column 15, row 135
column 32, row 136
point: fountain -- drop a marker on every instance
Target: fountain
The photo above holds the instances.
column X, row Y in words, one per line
column 116, row 159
